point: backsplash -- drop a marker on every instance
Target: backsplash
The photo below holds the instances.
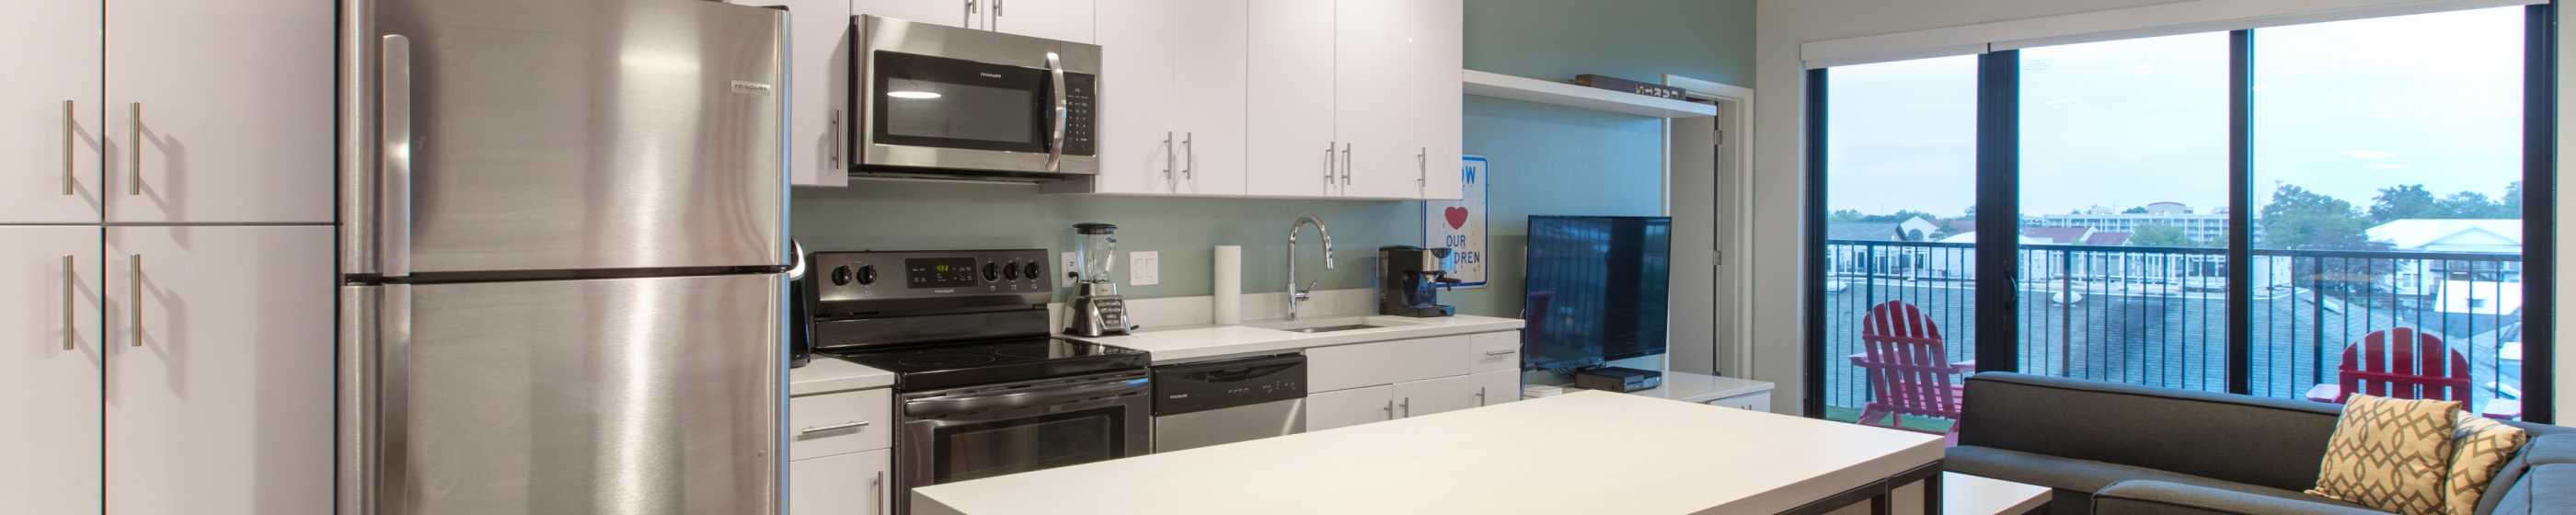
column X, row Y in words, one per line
column 901, row 215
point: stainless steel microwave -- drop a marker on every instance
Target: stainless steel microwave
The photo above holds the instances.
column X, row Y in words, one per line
column 949, row 102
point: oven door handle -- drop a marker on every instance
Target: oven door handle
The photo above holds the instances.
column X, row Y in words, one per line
column 1055, row 139
column 1022, row 399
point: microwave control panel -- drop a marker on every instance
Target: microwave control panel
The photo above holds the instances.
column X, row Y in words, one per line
column 1079, row 91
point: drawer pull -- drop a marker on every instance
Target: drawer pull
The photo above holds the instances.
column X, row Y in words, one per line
column 1504, row 352
column 831, row 428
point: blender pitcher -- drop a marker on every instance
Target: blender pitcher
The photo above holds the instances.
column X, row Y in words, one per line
column 1096, row 309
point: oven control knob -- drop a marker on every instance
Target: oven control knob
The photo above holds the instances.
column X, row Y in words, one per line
column 992, row 272
column 867, row 274
column 1030, row 270
column 1011, row 271
column 841, row 275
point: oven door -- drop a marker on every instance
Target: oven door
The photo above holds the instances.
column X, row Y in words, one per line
column 944, row 100
column 977, row 432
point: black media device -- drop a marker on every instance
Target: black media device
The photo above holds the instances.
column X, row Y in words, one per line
column 1617, row 379
column 1597, row 291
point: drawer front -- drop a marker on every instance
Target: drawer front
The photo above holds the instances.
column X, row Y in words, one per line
column 1371, row 364
column 1755, row 402
column 1496, row 351
column 836, row 423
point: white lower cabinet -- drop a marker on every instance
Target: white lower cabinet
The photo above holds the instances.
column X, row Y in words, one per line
column 1496, row 387
column 1350, row 407
column 840, row 453
column 858, row 483
column 219, row 369
column 1374, row 382
column 49, row 376
column 1428, row 396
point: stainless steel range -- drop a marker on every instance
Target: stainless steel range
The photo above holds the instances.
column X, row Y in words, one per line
column 983, row 390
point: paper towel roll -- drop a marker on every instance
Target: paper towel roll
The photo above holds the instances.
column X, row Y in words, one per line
column 1229, row 284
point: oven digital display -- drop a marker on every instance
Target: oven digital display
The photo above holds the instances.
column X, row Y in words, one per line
column 939, row 272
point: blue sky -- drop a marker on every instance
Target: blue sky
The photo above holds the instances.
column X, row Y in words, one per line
column 2343, row 108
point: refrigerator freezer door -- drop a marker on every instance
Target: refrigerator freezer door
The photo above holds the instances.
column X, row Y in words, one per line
column 570, row 135
column 608, row 396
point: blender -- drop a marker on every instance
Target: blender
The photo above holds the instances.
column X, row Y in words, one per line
column 1096, row 309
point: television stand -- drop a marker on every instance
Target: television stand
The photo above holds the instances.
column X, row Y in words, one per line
column 1712, row 390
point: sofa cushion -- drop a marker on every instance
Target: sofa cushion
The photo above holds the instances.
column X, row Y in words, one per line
column 2544, row 490
column 2268, row 442
column 2549, row 444
column 2067, row 474
column 2480, row 448
column 2390, row 454
column 2147, row 496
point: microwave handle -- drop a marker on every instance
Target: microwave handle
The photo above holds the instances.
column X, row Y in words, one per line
column 1055, row 145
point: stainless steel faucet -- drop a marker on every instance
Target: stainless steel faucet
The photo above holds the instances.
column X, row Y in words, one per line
column 1295, row 293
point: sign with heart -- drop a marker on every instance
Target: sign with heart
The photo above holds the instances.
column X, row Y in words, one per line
column 1459, row 225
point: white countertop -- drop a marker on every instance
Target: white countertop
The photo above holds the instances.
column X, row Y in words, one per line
column 826, row 374
column 1690, row 387
column 1192, row 343
column 1583, row 452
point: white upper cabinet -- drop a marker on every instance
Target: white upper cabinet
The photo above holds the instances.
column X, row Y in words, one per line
column 954, row 13
column 49, row 376
column 1374, row 106
column 219, row 111
column 818, row 71
column 1290, row 150
column 49, row 113
column 1440, row 97
column 1174, row 101
column 1141, row 153
column 1067, row 20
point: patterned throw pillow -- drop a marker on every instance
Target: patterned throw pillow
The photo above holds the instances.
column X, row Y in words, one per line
column 2483, row 447
column 2390, row 455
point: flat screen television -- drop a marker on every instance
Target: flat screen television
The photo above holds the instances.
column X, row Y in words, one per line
column 1598, row 290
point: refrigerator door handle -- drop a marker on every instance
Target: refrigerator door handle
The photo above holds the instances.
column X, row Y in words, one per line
column 394, row 248
column 375, row 342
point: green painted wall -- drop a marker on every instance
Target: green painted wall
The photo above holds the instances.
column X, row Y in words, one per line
column 1545, row 160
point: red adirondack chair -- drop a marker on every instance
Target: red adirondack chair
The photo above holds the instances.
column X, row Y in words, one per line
column 2385, row 364
column 1908, row 367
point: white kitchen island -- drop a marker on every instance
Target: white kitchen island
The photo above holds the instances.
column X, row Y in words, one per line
column 1584, row 452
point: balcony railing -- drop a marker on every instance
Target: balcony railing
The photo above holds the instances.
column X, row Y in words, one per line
column 2157, row 316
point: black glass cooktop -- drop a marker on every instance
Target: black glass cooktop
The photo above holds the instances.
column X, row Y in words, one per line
column 947, row 365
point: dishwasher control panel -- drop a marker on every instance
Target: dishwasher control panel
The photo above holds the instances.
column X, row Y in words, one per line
column 1223, row 384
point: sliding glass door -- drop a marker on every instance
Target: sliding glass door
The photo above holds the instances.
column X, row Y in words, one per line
column 2282, row 212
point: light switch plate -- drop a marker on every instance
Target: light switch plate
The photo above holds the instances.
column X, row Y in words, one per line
column 1143, row 268
column 1066, row 270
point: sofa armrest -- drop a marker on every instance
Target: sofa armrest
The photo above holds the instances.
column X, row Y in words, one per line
column 2150, row 497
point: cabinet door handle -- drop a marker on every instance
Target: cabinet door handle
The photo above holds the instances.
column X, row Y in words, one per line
column 832, row 129
column 995, row 23
column 1422, row 169
column 1168, row 156
column 970, row 14
column 70, row 125
column 134, row 149
column 1407, row 405
column 832, row 427
column 1480, row 396
column 1390, row 409
column 1190, row 163
column 1346, row 164
column 1329, row 174
column 70, row 282
column 134, row 297
column 876, row 489
column 1501, row 352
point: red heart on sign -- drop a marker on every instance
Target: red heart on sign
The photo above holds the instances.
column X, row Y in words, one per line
column 1457, row 217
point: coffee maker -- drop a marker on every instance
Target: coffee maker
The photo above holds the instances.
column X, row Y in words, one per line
column 1409, row 278
column 1096, row 310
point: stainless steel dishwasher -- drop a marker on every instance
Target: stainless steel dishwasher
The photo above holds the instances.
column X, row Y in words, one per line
column 1227, row 401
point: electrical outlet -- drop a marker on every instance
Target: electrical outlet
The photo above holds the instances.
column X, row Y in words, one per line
column 1143, row 268
column 1066, row 270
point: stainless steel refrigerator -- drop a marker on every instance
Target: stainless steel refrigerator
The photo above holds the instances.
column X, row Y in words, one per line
column 563, row 238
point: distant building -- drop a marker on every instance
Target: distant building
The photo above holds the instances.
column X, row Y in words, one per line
column 2197, row 226
column 1851, row 253
column 2456, row 286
